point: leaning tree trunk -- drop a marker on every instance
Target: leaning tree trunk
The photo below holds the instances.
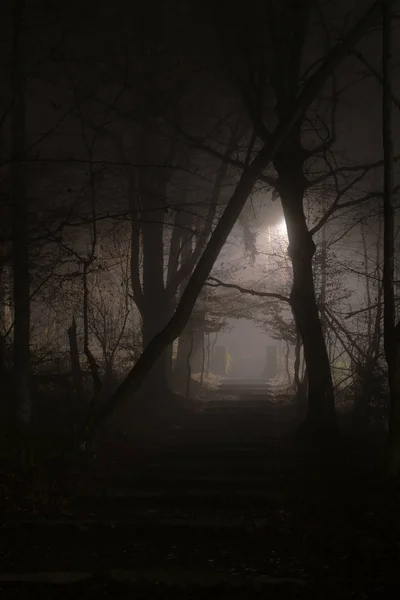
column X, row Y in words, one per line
column 391, row 333
column 231, row 213
column 21, row 274
column 292, row 183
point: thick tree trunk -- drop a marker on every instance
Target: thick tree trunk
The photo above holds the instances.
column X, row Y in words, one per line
column 146, row 202
column 185, row 340
column 21, row 273
column 153, row 322
column 321, row 403
column 155, row 310
column 231, row 213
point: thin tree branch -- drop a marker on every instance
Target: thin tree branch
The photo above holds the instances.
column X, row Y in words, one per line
column 218, row 283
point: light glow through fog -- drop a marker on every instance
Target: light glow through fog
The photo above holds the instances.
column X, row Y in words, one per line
column 281, row 228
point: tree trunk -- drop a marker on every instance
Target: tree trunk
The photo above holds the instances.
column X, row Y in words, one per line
column 93, row 366
column 208, row 359
column 297, row 357
column 183, row 352
column 191, row 341
column 3, row 327
column 203, row 361
column 197, row 354
column 21, row 273
column 394, row 418
column 76, row 366
column 367, row 370
column 78, row 397
column 287, row 366
column 186, row 339
column 146, row 199
column 292, row 183
column 155, row 312
column 391, row 334
column 230, row 215
column 323, row 270
column 189, row 369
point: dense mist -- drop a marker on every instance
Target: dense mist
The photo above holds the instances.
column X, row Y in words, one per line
column 199, row 297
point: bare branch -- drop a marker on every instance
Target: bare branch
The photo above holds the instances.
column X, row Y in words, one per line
column 242, row 290
column 378, row 76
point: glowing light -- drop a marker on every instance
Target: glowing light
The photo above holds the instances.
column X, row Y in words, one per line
column 281, row 228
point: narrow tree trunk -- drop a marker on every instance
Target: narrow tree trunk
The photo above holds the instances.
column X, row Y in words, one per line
column 300, row 382
column 203, row 362
column 362, row 403
column 213, row 346
column 184, row 350
column 287, row 354
column 208, row 363
column 3, row 327
column 297, row 359
column 93, row 366
column 168, row 364
column 197, row 354
column 391, row 334
column 77, row 379
column 2, row 357
column 21, row 272
column 75, row 365
column 190, row 347
column 323, row 268
column 189, row 368
column 370, row 361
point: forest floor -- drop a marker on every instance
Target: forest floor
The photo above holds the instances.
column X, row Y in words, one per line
column 229, row 504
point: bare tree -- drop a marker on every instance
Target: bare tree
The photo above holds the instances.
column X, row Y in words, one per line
column 271, row 149
column 391, row 332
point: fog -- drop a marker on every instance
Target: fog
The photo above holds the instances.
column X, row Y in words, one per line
column 199, row 299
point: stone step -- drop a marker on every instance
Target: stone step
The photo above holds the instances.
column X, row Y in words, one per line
column 219, row 471
column 185, row 483
column 173, row 577
column 173, row 458
column 208, row 439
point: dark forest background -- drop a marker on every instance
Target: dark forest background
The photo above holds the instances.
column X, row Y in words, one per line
column 149, row 156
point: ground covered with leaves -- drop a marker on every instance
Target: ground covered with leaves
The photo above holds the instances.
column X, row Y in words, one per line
column 228, row 503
